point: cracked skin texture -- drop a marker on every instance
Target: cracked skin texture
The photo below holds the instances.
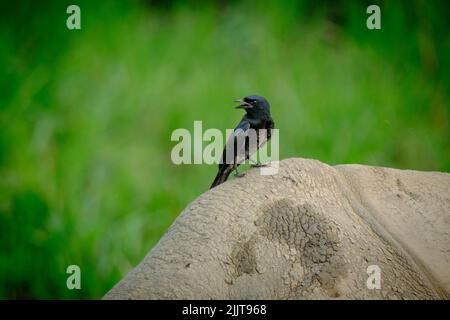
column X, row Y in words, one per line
column 308, row 232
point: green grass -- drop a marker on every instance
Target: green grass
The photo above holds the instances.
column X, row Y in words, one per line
column 86, row 116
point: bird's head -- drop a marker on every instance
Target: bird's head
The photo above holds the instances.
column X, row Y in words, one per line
column 254, row 105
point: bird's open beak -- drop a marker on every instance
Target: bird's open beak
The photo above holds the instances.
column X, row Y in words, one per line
column 243, row 104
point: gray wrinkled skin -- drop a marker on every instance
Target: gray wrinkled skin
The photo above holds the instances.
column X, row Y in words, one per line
column 308, row 232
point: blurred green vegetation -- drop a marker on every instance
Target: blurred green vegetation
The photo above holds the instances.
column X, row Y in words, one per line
column 86, row 116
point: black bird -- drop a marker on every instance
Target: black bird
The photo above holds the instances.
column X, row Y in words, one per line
column 242, row 143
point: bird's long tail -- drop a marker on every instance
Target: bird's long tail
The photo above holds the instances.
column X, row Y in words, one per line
column 222, row 176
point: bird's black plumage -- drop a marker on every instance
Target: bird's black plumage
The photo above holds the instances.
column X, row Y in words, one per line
column 239, row 146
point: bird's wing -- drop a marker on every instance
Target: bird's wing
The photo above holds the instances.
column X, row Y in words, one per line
column 263, row 137
column 266, row 134
column 234, row 151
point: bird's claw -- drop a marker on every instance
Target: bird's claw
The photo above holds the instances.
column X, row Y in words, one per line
column 258, row 165
column 239, row 175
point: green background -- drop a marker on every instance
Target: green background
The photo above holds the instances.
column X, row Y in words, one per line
column 86, row 116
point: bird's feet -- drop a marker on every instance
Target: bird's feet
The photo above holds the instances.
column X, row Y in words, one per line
column 258, row 165
column 239, row 175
